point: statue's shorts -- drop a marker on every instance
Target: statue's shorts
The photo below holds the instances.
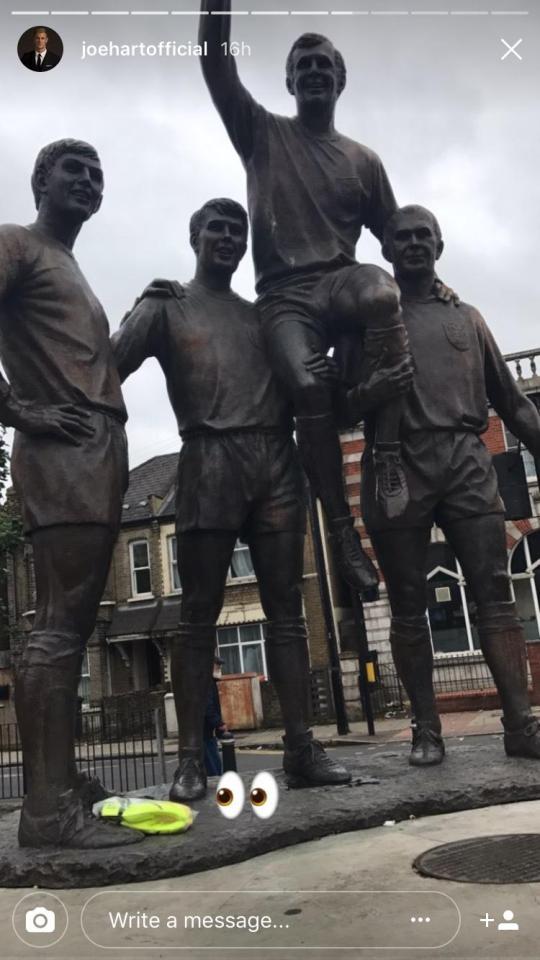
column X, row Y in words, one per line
column 450, row 476
column 60, row 483
column 244, row 480
column 312, row 298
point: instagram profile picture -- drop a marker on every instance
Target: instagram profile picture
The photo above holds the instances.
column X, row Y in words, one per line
column 40, row 49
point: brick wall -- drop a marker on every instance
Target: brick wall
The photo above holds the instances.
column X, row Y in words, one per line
column 349, row 674
column 316, row 625
column 156, row 560
column 245, row 592
column 377, row 616
column 494, row 436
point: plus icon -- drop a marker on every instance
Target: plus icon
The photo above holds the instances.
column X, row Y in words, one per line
column 487, row 920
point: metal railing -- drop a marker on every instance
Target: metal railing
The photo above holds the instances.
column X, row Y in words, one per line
column 460, row 674
column 126, row 753
column 387, row 696
column 11, row 768
column 453, row 674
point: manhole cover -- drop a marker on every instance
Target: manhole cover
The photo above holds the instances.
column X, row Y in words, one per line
column 510, row 858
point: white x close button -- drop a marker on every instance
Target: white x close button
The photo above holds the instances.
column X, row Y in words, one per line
column 511, row 48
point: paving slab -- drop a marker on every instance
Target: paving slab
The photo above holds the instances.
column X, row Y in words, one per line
column 384, row 788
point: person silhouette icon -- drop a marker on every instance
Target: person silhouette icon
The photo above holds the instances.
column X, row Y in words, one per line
column 509, row 923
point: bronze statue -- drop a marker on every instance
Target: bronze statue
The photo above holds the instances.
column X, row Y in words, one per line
column 451, row 482
column 310, row 192
column 69, row 466
column 238, row 475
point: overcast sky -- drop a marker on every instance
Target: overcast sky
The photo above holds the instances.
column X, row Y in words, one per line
column 456, row 126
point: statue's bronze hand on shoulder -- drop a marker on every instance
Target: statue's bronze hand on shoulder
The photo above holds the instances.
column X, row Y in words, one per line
column 158, row 288
column 163, row 288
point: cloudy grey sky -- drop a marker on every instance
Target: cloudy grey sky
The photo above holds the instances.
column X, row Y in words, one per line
column 456, row 126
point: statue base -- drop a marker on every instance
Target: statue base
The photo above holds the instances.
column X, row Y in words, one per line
column 384, row 788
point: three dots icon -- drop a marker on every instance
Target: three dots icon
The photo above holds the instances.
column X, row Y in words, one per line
column 420, row 919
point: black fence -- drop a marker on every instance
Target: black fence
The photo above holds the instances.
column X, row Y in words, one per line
column 110, row 726
column 387, row 696
column 460, row 674
column 11, row 770
column 126, row 751
column 454, row 674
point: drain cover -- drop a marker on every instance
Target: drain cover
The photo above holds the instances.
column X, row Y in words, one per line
column 510, row 858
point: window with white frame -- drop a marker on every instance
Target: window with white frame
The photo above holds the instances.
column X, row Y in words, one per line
column 174, row 576
column 139, row 557
column 241, row 562
column 512, row 443
column 448, row 614
column 525, row 572
column 84, row 683
column 242, row 649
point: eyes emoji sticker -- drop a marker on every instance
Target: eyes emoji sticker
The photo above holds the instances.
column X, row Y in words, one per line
column 263, row 795
column 230, row 795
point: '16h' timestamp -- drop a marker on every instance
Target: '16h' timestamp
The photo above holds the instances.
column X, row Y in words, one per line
column 233, row 48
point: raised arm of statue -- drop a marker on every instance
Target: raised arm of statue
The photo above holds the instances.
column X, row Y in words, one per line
column 234, row 103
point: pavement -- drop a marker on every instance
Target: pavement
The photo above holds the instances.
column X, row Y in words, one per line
column 387, row 730
column 347, row 896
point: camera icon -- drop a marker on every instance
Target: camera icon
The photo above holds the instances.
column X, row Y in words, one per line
column 40, row 920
